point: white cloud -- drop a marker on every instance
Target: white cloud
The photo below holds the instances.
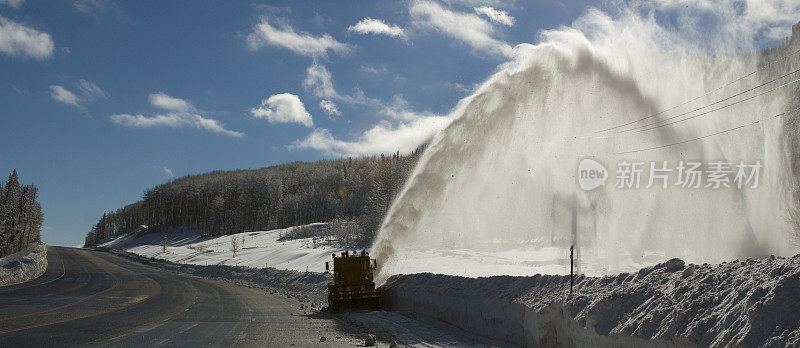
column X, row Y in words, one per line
column 168, row 172
column 301, row 43
column 179, row 113
column 329, row 108
column 90, row 89
column 319, row 81
column 466, row 27
column 12, row 3
column 377, row 26
column 283, row 108
column 86, row 91
column 384, row 137
column 171, row 120
column 404, row 130
column 93, row 6
column 163, row 101
column 496, row 16
column 61, row 94
column 19, row 40
column 101, row 8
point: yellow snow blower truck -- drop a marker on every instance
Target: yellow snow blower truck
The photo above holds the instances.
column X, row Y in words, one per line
column 352, row 284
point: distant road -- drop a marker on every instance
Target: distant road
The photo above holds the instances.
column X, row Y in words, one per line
column 93, row 298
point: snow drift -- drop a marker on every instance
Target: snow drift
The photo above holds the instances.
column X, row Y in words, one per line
column 23, row 266
column 502, row 175
column 750, row 303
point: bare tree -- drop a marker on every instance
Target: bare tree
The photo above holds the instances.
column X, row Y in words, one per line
column 164, row 243
column 293, row 194
column 236, row 244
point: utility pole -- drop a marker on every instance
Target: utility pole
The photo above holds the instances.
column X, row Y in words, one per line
column 571, row 274
column 572, row 248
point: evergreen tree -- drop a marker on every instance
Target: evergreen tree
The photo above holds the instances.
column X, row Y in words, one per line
column 20, row 215
column 10, row 212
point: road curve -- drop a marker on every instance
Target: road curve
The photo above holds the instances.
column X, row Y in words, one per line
column 94, row 298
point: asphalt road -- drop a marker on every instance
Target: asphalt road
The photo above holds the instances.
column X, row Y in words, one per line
column 96, row 299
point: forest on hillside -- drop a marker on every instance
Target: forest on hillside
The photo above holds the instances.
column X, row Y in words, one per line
column 20, row 215
column 353, row 193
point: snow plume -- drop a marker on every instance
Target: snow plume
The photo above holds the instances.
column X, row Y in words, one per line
column 179, row 113
column 503, row 175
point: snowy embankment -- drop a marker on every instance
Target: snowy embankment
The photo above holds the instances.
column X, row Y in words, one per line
column 294, row 267
column 742, row 303
column 23, row 266
column 256, row 249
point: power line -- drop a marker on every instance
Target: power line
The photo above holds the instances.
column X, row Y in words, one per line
column 714, row 103
column 708, row 135
column 710, row 111
column 639, row 129
column 705, row 94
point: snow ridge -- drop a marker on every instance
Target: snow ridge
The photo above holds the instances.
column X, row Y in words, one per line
column 743, row 303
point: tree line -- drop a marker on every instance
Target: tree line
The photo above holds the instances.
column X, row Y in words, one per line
column 355, row 192
column 20, row 215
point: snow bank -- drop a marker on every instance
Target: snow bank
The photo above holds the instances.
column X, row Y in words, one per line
column 260, row 249
column 747, row 303
column 23, row 266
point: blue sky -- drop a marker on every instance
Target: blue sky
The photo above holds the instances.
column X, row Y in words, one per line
column 102, row 99
column 77, row 75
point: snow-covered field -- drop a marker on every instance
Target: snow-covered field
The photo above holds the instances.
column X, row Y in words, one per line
column 259, row 250
column 262, row 249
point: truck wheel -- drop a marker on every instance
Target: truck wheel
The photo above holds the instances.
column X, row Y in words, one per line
column 375, row 304
column 334, row 306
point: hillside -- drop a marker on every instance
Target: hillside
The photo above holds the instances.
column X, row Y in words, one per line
column 354, row 192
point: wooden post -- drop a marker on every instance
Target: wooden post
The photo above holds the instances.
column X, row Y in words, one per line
column 571, row 274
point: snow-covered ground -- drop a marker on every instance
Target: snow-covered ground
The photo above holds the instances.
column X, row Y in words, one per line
column 259, row 250
column 522, row 260
column 748, row 303
column 23, row 266
column 264, row 249
column 752, row 303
